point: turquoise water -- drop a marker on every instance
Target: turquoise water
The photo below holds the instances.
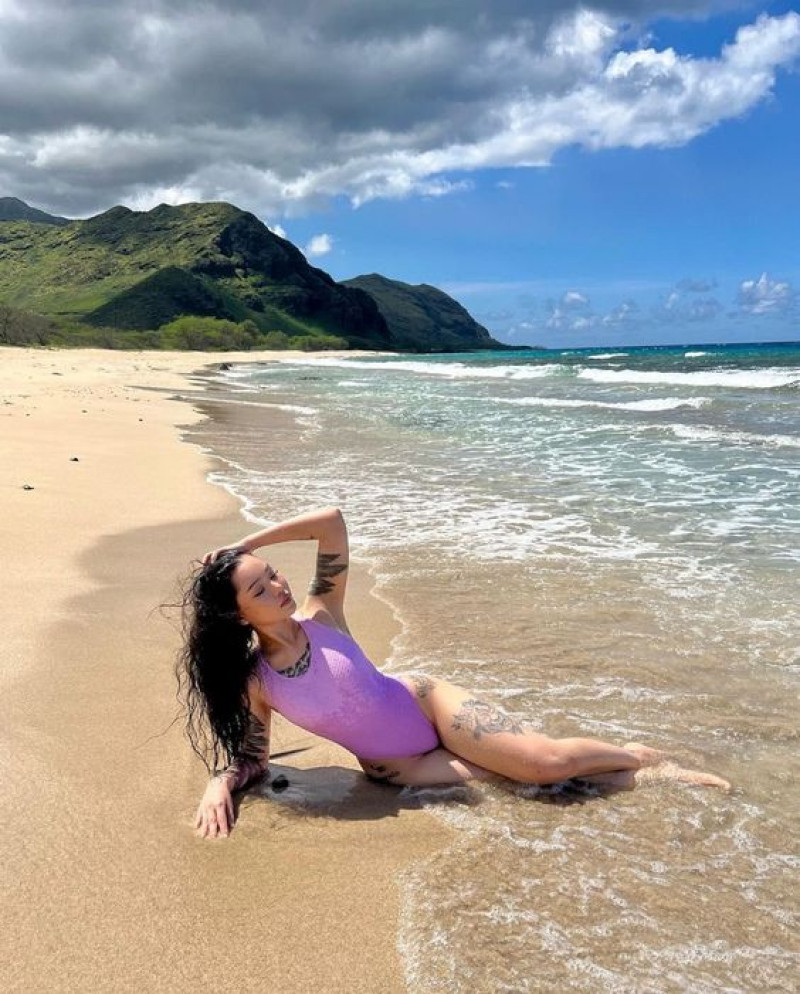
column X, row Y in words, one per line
column 606, row 542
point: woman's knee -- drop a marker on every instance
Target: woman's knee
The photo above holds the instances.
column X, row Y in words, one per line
column 542, row 761
column 383, row 771
column 438, row 767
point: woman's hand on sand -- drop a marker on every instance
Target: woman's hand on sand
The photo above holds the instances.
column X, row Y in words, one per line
column 215, row 814
column 212, row 556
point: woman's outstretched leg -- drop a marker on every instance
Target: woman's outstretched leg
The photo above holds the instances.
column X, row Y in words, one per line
column 440, row 768
column 481, row 734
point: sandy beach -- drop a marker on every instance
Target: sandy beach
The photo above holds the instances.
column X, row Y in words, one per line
column 106, row 886
column 603, row 545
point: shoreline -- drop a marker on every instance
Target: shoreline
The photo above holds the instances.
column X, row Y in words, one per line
column 107, row 879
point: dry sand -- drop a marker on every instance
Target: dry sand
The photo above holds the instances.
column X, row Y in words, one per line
column 105, row 885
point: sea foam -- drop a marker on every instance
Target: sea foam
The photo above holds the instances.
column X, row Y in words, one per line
column 451, row 370
column 654, row 404
column 764, row 379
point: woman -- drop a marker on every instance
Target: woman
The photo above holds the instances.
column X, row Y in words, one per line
column 249, row 651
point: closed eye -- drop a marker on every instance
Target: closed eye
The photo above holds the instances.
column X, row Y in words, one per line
column 271, row 574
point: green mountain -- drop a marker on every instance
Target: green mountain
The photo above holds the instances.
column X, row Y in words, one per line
column 139, row 270
column 119, row 277
column 424, row 319
column 12, row 209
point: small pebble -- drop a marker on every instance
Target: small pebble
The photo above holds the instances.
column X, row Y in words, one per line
column 27, row 486
column 74, row 459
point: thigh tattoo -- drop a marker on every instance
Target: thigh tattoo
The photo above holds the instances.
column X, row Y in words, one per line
column 423, row 685
column 478, row 717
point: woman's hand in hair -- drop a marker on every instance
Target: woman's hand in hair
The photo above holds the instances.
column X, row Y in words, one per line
column 215, row 814
column 212, row 556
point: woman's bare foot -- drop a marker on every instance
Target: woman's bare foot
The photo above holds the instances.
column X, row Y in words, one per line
column 657, row 765
column 679, row 774
column 646, row 755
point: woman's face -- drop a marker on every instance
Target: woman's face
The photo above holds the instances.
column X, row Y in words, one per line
column 263, row 595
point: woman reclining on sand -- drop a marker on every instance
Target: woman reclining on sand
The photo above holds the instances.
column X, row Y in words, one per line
column 249, row 650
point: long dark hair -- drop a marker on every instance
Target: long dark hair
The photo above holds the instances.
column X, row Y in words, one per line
column 215, row 663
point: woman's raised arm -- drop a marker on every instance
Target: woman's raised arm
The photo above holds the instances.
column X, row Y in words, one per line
column 327, row 526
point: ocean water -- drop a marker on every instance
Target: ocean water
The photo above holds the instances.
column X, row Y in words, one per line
column 604, row 542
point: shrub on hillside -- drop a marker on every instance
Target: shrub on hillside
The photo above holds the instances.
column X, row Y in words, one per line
column 316, row 343
column 22, row 328
column 274, row 340
column 208, row 335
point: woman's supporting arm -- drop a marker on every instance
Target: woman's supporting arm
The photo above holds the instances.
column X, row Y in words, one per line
column 215, row 814
column 253, row 759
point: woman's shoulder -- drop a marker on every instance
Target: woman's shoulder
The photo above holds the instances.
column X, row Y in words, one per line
column 324, row 611
column 258, row 699
column 321, row 616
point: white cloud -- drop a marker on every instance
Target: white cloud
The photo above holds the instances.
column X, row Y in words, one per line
column 573, row 299
column 766, row 297
column 318, row 245
column 278, row 229
column 117, row 103
column 683, row 302
column 570, row 312
column 622, row 315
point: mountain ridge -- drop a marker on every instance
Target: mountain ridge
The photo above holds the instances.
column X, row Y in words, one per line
column 14, row 209
column 137, row 271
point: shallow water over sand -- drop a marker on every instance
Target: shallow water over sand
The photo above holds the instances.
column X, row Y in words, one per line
column 606, row 544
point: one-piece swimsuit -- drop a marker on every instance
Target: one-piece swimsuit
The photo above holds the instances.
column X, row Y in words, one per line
column 342, row 696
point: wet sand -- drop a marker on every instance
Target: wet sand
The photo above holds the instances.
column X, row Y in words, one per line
column 106, row 886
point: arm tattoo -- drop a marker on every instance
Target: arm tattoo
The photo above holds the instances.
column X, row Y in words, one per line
column 256, row 741
column 253, row 756
column 423, row 685
column 329, row 566
column 479, row 717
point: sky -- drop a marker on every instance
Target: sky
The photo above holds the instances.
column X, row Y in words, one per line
column 618, row 173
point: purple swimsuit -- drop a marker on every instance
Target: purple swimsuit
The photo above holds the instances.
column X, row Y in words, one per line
column 343, row 697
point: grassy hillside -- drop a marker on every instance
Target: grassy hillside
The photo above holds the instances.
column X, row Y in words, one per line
column 139, row 270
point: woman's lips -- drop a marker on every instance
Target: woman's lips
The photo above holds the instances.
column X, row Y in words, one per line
column 286, row 600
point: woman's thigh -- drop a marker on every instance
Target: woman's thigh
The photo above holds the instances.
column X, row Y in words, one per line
column 479, row 731
column 429, row 769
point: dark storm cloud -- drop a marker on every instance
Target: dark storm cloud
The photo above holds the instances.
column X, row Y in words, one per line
column 283, row 104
